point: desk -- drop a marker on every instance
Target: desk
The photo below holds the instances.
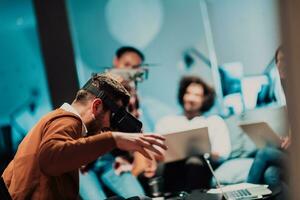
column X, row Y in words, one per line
column 277, row 194
column 198, row 195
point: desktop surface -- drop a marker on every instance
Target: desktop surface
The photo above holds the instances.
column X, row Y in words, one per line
column 199, row 194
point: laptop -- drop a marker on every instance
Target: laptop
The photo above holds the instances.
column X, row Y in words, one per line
column 238, row 191
column 187, row 143
column 261, row 134
column 275, row 117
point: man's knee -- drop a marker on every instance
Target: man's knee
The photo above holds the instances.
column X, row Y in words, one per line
column 272, row 176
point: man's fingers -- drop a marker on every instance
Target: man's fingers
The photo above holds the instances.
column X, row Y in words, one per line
column 151, row 147
column 154, row 141
column 154, row 150
column 156, row 136
column 144, row 152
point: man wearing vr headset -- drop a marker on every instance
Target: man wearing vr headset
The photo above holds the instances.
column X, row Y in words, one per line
column 117, row 170
column 47, row 161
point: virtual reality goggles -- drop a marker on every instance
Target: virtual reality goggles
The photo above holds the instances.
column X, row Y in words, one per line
column 121, row 119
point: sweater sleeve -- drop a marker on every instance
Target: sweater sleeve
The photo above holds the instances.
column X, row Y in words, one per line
column 62, row 148
column 219, row 136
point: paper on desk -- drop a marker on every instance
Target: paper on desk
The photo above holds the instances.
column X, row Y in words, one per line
column 234, row 187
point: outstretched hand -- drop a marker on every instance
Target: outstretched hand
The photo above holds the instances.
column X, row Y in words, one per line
column 140, row 142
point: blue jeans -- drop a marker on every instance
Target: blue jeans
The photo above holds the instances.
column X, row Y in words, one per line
column 267, row 167
column 90, row 187
column 125, row 184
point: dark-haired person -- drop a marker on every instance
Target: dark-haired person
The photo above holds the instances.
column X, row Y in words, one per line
column 280, row 63
column 47, row 161
column 281, row 67
column 128, row 57
column 279, row 85
column 269, row 163
column 116, row 171
column 196, row 98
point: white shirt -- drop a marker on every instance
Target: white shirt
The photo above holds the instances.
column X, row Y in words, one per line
column 217, row 130
column 67, row 107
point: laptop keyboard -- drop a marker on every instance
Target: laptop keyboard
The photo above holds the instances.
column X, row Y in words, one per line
column 239, row 194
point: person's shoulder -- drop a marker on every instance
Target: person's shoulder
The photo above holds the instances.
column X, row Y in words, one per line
column 170, row 118
column 63, row 117
column 59, row 113
column 215, row 119
column 164, row 124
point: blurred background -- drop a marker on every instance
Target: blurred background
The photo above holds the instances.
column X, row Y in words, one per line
column 230, row 44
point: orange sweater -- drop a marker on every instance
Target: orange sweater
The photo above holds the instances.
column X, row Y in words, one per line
column 47, row 160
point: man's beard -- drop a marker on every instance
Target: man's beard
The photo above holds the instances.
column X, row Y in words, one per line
column 191, row 108
column 191, row 111
column 95, row 127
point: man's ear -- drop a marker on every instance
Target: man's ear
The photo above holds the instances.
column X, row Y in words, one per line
column 116, row 61
column 97, row 106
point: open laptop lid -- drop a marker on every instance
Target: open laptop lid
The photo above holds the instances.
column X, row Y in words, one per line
column 275, row 117
column 261, row 134
column 187, row 143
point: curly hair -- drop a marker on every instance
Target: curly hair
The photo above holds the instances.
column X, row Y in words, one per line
column 209, row 93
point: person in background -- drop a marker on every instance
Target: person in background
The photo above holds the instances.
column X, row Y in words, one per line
column 117, row 171
column 269, row 163
column 281, row 66
column 129, row 58
column 279, row 85
column 196, row 98
column 48, row 159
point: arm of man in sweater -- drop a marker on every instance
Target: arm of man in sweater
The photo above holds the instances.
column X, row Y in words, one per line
column 63, row 148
